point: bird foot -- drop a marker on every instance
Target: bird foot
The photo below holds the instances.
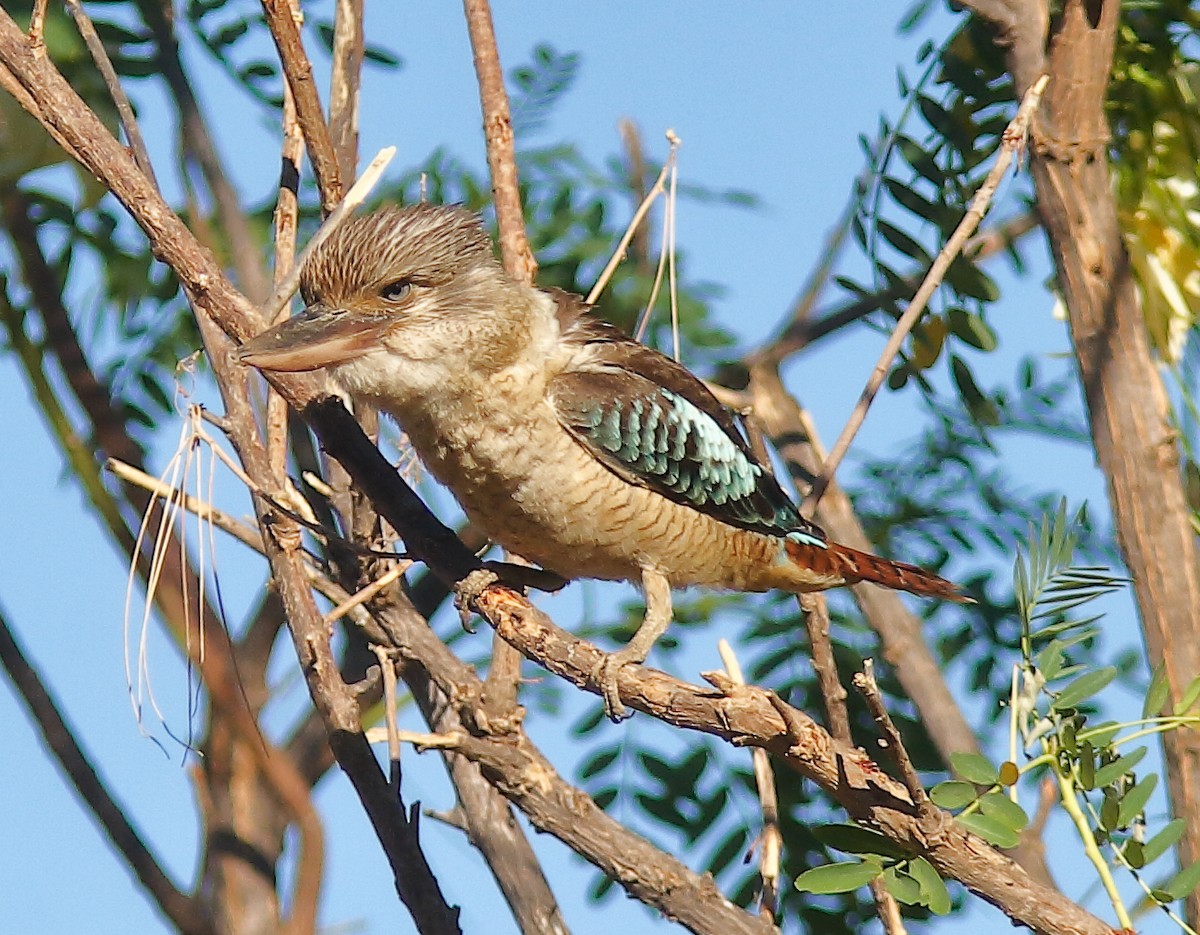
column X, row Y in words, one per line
column 467, row 591
column 605, row 674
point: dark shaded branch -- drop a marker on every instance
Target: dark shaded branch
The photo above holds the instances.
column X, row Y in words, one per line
column 184, row 912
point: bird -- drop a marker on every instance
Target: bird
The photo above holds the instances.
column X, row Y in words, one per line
column 567, row 441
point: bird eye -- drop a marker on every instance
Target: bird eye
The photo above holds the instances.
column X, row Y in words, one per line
column 396, row 291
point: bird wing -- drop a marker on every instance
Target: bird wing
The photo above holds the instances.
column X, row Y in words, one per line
column 652, row 423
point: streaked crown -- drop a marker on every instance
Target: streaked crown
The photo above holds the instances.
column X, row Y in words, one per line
column 428, row 245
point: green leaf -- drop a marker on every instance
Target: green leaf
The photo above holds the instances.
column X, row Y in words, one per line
column 903, row 887
column 838, row 878
column 1084, row 687
column 1133, row 803
column 999, row 806
column 991, row 830
column 971, row 329
column 903, row 243
column 1109, row 773
column 953, row 794
column 599, row 763
column 1156, row 694
column 382, row 57
column 1110, row 810
column 974, row 767
column 933, row 888
column 1189, row 697
column 1184, row 883
column 1164, row 840
column 1087, row 765
column 1135, row 854
column 854, row 839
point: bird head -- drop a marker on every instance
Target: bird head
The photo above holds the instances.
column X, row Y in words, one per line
column 411, row 283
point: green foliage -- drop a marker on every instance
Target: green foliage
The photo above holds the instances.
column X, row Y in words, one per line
column 1094, row 764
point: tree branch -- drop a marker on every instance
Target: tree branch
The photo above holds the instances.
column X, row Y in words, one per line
column 297, row 69
column 184, row 912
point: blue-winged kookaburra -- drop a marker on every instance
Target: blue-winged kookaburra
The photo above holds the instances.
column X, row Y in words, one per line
column 571, row 444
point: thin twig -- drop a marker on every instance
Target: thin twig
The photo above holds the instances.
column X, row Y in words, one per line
column 504, row 674
column 297, row 69
column 865, row 682
column 1010, row 142
column 37, row 25
column 201, row 508
column 657, row 189
column 286, row 221
column 501, row 152
column 770, row 839
column 133, row 133
column 815, row 611
column 361, row 596
column 357, row 195
column 420, row 741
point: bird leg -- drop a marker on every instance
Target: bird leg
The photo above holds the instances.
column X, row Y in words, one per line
column 658, row 616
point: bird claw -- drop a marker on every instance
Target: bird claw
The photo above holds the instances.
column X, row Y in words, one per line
column 467, row 591
column 605, row 675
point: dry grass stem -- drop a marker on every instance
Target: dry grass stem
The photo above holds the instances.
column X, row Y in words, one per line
column 1011, row 141
column 169, row 533
column 770, row 838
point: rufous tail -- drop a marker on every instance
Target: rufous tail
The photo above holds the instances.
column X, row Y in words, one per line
column 838, row 565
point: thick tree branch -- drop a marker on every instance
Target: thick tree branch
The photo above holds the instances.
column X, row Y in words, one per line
column 1127, row 404
column 749, row 717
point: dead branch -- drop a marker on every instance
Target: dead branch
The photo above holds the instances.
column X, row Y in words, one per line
column 344, row 82
column 867, row 686
column 748, row 717
column 197, row 143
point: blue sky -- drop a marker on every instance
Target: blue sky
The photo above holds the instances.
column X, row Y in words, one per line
column 769, row 98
